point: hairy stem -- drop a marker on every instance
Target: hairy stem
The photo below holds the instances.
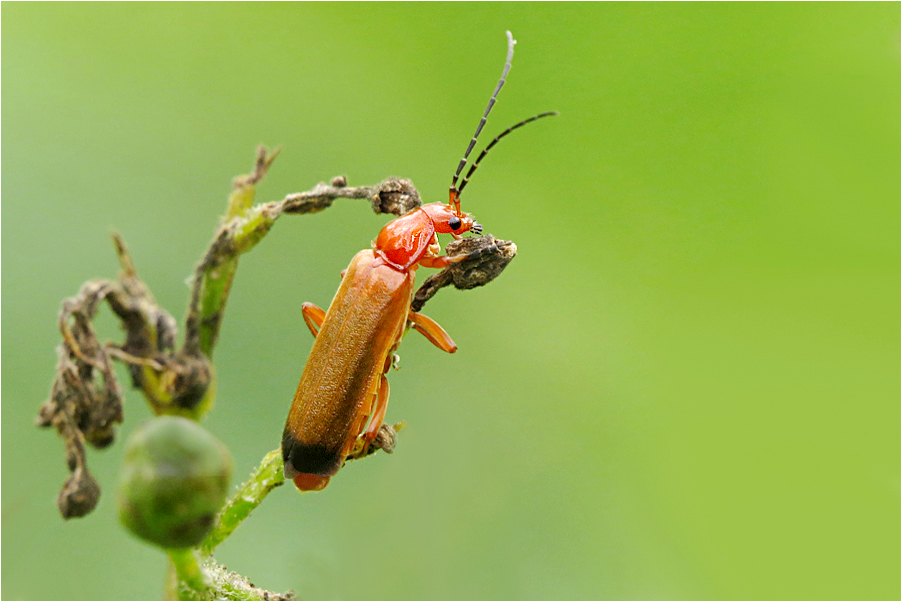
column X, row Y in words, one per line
column 267, row 477
column 190, row 575
column 213, row 280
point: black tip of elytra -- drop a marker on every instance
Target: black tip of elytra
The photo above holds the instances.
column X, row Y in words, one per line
column 308, row 458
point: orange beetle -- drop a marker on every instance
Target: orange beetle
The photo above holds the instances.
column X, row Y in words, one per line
column 341, row 399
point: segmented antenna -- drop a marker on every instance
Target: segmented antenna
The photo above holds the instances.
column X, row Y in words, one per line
column 486, row 150
column 454, row 193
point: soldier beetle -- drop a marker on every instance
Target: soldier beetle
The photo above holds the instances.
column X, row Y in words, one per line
column 342, row 396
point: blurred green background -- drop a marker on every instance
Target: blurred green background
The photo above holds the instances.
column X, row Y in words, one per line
column 685, row 386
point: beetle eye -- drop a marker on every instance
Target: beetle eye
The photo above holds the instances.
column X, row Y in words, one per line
column 454, row 222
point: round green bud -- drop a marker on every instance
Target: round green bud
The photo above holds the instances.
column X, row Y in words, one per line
column 174, row 480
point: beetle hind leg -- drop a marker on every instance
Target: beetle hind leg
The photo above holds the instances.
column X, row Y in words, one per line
column 364, row 444
column 313, row 316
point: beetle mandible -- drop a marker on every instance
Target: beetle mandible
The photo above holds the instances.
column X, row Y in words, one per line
column 342, row 396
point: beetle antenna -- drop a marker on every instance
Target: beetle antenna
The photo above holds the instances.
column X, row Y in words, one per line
column 486, row 150
column 454, row 192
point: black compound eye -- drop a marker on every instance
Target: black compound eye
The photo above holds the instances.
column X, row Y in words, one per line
column 454, row 222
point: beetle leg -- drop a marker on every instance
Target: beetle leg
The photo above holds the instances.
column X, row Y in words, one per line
column 430, row 329
column 440, row 262
column 313, row 316
column 378, row 412
column 361, row 446
column 444, row 261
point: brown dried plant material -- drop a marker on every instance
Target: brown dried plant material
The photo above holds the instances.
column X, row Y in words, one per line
column 486, row 257
column 85, row 403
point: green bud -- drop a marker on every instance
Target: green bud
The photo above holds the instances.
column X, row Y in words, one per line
column 174, row 480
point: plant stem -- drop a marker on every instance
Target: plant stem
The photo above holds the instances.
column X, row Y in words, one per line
column 207, row 580
column 267, row 477
column 189, row 574
column 217, row 279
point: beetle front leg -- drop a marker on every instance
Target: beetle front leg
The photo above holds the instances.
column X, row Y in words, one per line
column 313, row 316
column 430, row 329
column 444, row 261
column 440, row 262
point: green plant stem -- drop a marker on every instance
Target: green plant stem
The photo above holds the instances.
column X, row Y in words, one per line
column 216, row 286
column 190, row 574
column 267, row 477
column 189, row 579
column 217, row 280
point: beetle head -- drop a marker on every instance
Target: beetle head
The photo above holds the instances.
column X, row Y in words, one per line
column 446, row 220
